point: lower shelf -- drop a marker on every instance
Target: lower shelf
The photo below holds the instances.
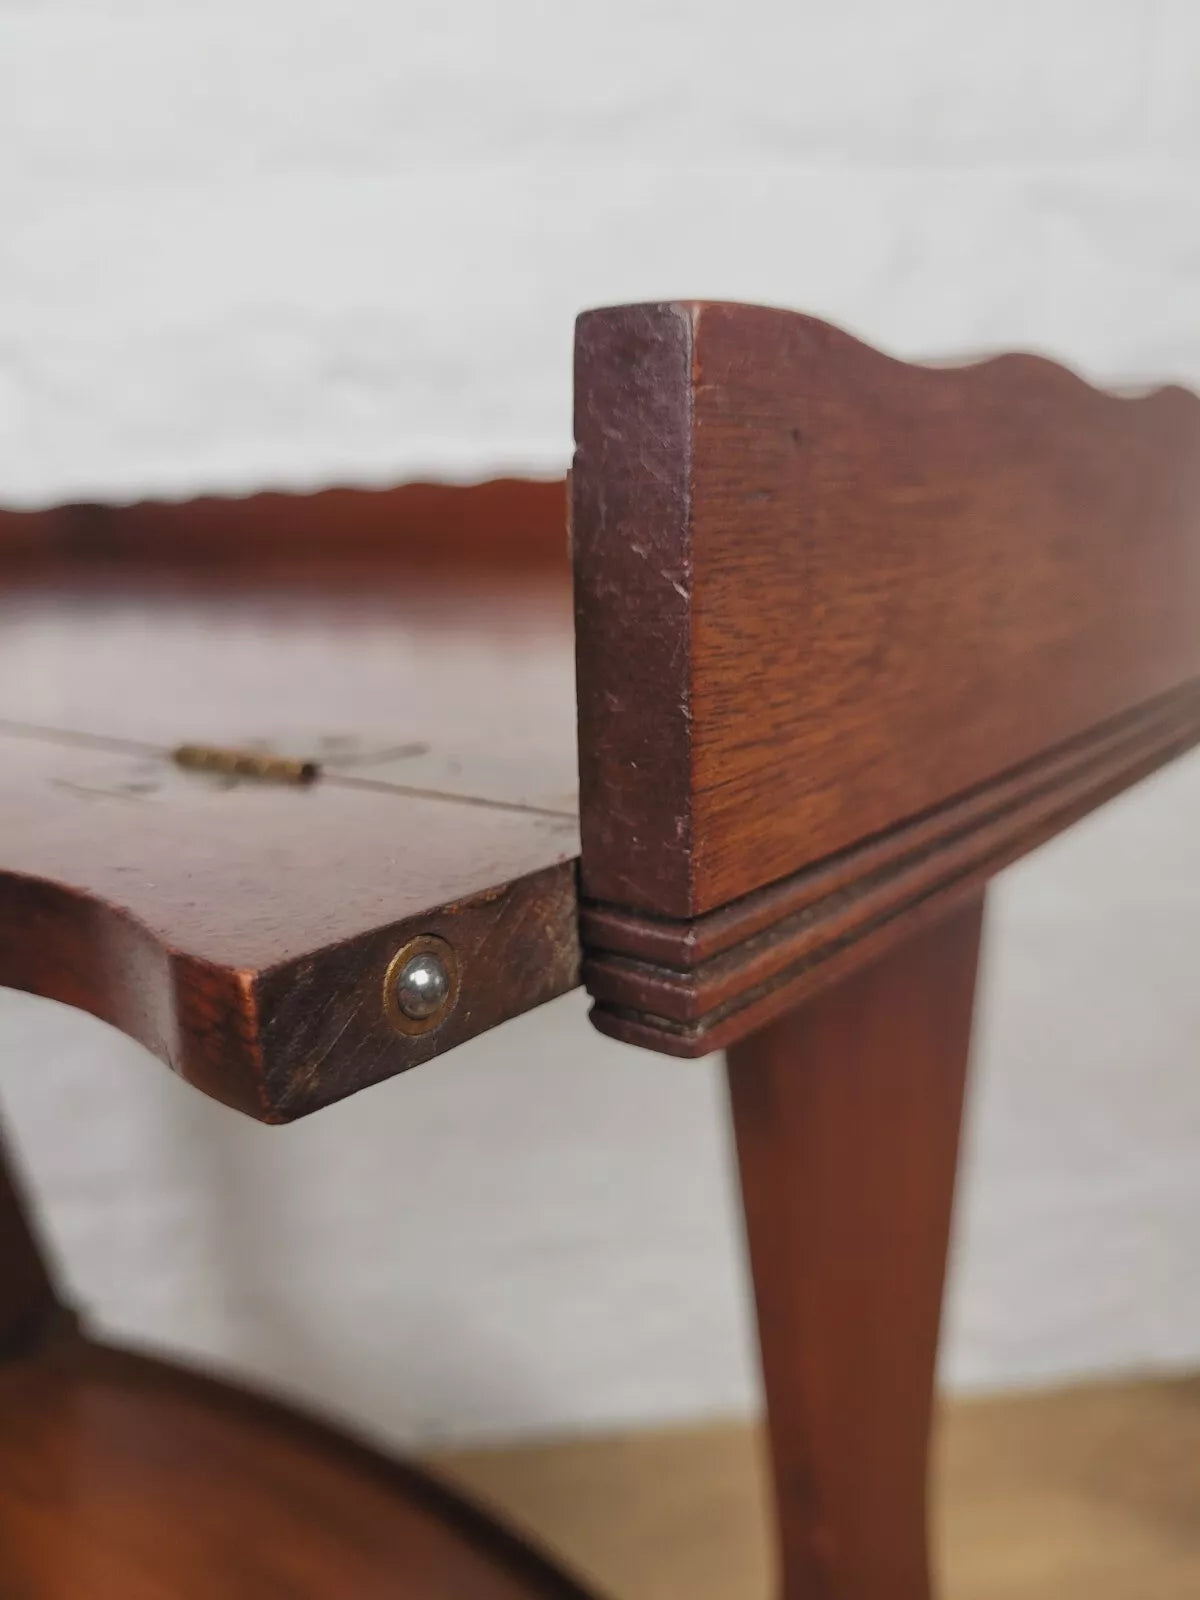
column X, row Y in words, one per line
column 124, row 1478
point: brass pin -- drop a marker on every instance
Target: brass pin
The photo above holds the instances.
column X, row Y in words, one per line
column 257, row 764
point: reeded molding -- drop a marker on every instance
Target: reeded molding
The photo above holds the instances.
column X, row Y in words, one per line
column 851, row 634
column 687, row 987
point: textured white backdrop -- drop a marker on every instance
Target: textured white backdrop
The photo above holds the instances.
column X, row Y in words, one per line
column 297, row 243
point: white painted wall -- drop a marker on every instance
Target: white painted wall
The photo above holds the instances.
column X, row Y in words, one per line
column 305, row 242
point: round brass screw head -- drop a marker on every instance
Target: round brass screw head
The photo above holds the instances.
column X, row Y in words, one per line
column 420, row 987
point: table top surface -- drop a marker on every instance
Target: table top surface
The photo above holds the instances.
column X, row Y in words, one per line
column 196, row 909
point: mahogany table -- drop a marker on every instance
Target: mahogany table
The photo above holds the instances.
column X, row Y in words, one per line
column 290, row 794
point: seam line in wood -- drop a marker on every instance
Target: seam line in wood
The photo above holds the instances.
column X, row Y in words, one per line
column 344, row 780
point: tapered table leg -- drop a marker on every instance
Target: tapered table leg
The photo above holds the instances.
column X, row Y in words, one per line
column 847, row 1119
column 27, row 1297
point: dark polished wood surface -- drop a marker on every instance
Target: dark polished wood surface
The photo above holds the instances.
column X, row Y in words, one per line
column 851, row 635
column 847, row 1117
column 28, row 1303
column 686, row 988
column 125, row 1479
column 240, row 929
column 504, row 525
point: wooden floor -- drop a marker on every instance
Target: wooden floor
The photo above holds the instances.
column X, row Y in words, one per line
column 1083, row 1494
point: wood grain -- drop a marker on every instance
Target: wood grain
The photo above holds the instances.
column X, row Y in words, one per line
column 847, row 1118
column 125, row 1479
column 689, row 987
column 502, row 525
column 851, row 635
column 241, row 930
column 454, row 686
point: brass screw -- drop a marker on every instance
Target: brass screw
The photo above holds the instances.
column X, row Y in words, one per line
column 421, row 986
